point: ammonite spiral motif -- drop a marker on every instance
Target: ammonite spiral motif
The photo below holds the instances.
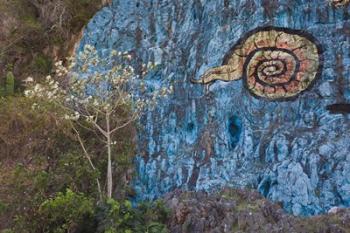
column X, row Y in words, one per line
column 275, row 63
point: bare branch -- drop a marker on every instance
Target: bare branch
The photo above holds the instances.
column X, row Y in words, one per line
column 133, row 118
column 87, row 156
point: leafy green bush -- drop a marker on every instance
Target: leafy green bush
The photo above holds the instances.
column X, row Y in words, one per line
column 66, row 212
column 31, row 188
column 41, row 204
column 40, row 158
column 114, row 215
column 120, row 217
column 42, row 64
column 153, row 217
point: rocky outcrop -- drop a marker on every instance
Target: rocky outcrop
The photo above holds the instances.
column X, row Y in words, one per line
column 243, row 211
column 206, row 137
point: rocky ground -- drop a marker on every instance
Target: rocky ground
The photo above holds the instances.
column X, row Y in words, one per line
column 244, row 211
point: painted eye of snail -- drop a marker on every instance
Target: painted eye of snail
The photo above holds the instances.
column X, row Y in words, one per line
column 274, row 63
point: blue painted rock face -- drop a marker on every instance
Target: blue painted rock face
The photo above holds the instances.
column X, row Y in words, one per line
column 294, row 151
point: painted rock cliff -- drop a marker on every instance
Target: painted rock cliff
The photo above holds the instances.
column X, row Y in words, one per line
column 261, row 93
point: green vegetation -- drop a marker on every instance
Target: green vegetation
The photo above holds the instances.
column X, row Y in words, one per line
column 66, row 154
column 66, row 211
column 47, row 185
column 9, row 87
column 42, row 64
column 35, row 33
column 120, row 217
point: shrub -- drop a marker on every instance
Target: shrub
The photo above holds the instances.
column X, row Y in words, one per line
column 42, row 64
column 30, row 187
column 120, row 217
column 153, row 212
column 40, row 157
column 66, row 212
column 25, row 131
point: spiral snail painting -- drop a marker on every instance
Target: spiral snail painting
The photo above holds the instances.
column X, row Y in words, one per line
column 339, row 3
column 274, row 63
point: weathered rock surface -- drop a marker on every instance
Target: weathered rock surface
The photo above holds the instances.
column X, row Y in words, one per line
column 205, row 138
column 244, row 211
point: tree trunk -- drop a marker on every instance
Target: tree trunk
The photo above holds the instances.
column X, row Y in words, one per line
column 109, row 167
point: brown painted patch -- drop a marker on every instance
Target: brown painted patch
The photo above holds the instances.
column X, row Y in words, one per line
column 340, row 108
column 270, row 7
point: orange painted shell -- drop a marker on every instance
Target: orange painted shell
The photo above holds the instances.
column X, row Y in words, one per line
column 276, row 63
column 339, row 3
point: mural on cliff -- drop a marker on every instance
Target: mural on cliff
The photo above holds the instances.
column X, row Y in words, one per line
column 276, row 63
column 340, row 3
column 206, row 137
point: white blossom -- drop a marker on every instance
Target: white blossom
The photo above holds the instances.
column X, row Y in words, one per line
column 28, row 80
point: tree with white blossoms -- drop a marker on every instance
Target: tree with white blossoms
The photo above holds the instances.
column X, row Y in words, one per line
column 105, row 94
